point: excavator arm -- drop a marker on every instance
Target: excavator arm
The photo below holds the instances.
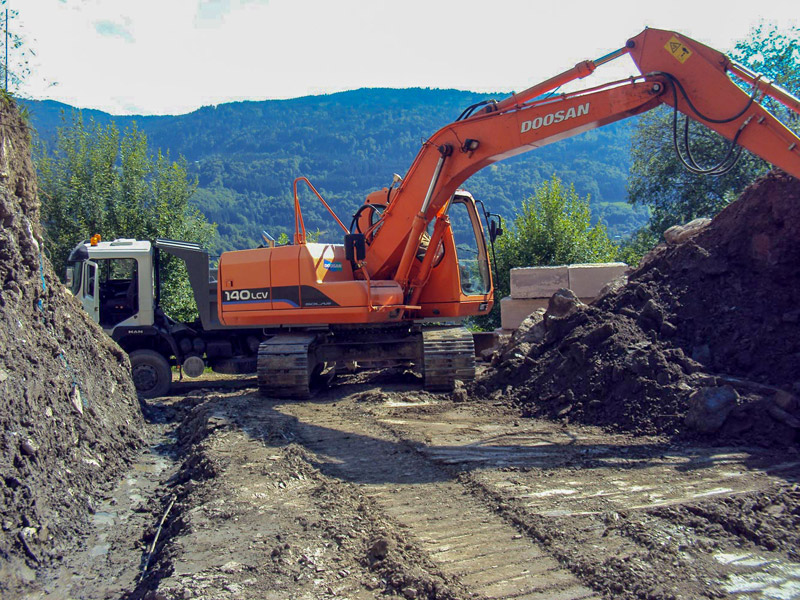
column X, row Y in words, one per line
column 675, row 70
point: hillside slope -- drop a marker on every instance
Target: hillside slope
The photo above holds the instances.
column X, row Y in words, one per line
column 69, row 417
column 246, row 155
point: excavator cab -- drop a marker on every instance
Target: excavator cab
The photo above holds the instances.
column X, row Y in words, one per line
column 455, row 281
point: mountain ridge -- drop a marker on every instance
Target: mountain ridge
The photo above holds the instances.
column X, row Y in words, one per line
column 246, row 154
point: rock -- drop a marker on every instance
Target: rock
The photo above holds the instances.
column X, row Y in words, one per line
column 777, row 413
column 28, row 448
column 564, row 302
column 232, row 567
column 651, row 316
column 531, row 330
column 709, row 407
column 459, row 391
column 677, row 234
column 75, row 399
column 663, row 377
column 598, row 335
column 409, row 592
column 668, row 329
column 379, row 549
column 785, row 400
column 614, row 286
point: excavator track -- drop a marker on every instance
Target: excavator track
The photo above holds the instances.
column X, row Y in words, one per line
column 448, row 354
column 286, row 365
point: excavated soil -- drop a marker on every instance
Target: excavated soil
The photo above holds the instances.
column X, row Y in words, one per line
column 69, row 417
column 703, row 339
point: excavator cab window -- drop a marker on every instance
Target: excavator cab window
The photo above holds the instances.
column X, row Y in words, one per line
column 473, row 264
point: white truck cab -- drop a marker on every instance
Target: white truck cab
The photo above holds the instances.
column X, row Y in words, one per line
column 114, row 282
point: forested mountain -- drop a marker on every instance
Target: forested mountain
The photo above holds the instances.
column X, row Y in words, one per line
column 246, row 155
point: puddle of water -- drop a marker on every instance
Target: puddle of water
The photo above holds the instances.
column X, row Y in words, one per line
column 714, row 492
column 104, row 517
column 99, row 550
column 151, row 464
column 556, row 492
column 775, row 580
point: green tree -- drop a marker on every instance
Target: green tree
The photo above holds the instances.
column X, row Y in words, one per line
column 553, row 227
column 658, row 180
column 98, row 180
column 775, row 53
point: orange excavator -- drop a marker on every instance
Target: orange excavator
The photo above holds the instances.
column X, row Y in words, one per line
column 416, row 252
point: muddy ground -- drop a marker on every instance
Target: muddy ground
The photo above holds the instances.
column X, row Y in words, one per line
column 376, row 489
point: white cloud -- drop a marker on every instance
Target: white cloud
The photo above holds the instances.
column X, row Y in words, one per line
column 111, row 29
column 173, row 56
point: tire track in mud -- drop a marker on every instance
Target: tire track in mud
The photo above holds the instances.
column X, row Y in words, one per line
column 408, row 494
column 255, row 519
column 644, row 526
column 461, row 534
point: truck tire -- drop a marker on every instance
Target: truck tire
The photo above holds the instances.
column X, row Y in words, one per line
column 151, row 373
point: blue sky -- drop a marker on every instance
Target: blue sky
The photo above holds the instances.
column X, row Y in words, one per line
column 173, row 56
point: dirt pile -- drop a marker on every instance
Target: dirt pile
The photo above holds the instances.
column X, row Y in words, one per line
column 703, row 337
column 69, row 417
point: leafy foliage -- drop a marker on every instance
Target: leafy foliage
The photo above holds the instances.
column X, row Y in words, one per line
column 553, row 227
column 96, row 180
column 774, row 52
column 673, row 194
column 14, row 66
column 632, row 249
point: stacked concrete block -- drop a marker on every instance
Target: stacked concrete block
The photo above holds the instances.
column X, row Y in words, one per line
column 538, row 282
column 514, row 310
column 532, row 287
column 586, row 280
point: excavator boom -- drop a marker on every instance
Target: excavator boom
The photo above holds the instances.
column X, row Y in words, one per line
column 675, row 70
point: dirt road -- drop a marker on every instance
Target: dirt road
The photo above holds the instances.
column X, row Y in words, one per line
column 377, row 488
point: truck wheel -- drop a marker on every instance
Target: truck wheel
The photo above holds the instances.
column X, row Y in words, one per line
column 151, row 373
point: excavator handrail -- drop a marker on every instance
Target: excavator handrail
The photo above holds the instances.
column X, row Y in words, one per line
column 299, row 226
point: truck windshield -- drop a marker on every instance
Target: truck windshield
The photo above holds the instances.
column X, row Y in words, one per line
column 473, row 265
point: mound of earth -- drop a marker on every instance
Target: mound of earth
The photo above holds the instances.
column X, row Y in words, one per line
column 704, row 336
column 69, row 416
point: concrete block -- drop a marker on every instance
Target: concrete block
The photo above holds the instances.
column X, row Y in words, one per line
column 538, row 282
column 514, row 310
column 587, row 280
